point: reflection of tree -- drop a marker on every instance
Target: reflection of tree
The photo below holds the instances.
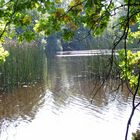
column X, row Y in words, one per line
column 22, row 104
column 53, row 74
column 81, row 76
column 136, row 136
column 58, row 81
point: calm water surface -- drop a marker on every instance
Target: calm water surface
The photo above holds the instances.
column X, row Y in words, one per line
column 60, row 107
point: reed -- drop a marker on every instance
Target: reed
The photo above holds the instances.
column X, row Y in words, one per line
column 24, row 66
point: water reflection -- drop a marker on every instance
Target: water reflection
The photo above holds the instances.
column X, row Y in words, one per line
column 18, row 108
column 82, row 77
column 61, row 108
column 72, row 87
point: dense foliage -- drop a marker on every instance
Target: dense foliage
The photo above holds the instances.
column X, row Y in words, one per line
column 17, row 18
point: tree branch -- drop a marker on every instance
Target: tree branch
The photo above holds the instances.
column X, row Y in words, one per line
column 10, row 20
column 133, row 108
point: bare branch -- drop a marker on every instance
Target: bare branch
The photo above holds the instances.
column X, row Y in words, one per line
column 133, row 107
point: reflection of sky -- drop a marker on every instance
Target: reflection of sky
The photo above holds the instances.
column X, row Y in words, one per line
column 76, row 118
column 83, row 53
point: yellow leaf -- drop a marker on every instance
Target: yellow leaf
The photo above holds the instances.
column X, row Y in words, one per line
column 58, row 1
column 27, row 19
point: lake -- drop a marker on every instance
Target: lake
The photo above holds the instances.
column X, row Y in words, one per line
column 64, row 105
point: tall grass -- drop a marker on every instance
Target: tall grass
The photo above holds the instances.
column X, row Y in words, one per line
column 23, row 66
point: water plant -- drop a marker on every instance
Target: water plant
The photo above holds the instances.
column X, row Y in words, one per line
column 23, row 66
